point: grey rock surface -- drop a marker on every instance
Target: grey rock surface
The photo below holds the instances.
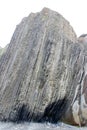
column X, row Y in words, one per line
column 3, row 50
column 43, row 72
column 0, row 50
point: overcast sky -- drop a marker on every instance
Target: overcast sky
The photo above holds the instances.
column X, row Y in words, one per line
column 12, row 11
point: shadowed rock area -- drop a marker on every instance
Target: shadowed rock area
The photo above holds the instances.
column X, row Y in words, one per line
column 43, row 72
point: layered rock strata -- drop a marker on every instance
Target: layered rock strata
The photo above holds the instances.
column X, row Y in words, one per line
column 43, row 73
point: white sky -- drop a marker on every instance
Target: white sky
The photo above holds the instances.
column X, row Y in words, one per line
column 12, row 11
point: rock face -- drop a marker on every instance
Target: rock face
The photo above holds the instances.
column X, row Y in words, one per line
column 43, row 73
column 83, row 38
column 0, row 50
column 3, row 50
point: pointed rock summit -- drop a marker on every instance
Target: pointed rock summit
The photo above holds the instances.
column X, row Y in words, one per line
column 42, row 73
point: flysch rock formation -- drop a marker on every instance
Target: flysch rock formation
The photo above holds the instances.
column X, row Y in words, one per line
column 43, row 74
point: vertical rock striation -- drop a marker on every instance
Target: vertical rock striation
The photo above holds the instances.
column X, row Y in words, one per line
column 43, row 72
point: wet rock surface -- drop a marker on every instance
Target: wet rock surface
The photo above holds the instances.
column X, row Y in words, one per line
column 43, row 72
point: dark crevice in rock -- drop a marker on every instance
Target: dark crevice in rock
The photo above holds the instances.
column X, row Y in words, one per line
column 54, row 112
column 48, row 48
column 23, row 113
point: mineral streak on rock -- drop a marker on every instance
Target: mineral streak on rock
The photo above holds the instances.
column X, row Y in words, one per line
column 40, row 72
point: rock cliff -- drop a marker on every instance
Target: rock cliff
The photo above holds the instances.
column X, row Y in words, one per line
column 43, row 72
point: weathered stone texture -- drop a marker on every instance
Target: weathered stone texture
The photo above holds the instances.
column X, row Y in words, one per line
column 43, row 72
